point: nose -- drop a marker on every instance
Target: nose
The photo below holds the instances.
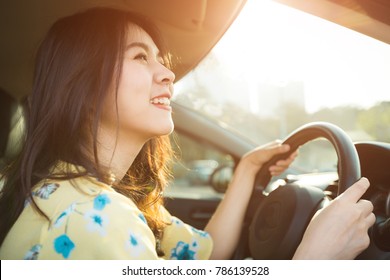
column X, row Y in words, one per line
column 165, row 75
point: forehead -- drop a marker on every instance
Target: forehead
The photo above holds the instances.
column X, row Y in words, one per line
column 137, row 34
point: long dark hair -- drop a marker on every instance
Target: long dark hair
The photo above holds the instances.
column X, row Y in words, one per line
column 76, row 64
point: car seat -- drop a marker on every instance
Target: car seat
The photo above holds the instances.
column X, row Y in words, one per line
column 11, row 127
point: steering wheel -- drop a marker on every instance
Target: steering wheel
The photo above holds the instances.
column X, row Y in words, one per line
column 278, row 221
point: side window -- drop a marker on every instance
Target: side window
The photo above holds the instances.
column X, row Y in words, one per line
column 194, row 163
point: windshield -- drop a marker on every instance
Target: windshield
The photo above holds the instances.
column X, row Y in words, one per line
column 277, row 68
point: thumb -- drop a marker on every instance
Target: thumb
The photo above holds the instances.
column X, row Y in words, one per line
column 356, row 191
column 270, row 152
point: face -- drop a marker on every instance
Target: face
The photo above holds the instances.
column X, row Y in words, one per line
column 145, row 89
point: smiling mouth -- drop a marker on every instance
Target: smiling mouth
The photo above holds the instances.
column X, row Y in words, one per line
column 161, row 101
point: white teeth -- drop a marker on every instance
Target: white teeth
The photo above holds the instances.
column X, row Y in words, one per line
column 163, row 101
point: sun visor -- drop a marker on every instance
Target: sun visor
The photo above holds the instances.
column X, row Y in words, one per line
column 188, row 15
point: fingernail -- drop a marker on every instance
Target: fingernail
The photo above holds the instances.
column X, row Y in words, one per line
column 364, row 182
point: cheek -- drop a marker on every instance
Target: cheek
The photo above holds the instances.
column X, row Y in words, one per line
column 133, row 94
column 134, row 86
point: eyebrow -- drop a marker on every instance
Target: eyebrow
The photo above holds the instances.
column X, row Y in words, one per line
column 138, row 44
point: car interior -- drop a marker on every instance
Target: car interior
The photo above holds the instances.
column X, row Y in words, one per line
column 192, row 29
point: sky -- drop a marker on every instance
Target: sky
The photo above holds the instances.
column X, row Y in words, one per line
column 338, row 66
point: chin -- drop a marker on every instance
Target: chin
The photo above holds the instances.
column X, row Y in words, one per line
column 168, row 130
column 164, row 130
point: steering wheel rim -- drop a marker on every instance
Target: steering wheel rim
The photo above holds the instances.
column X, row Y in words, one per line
column 348, row 166
column 348, row 171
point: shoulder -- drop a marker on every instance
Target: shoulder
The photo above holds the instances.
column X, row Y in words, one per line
column 92, row 221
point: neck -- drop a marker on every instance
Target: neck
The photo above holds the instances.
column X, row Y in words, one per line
column 117, row 151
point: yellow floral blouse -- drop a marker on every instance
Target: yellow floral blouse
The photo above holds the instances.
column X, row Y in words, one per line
column 90, row 220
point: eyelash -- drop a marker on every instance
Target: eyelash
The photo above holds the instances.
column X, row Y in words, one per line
column 144, row 57
column 141, row 56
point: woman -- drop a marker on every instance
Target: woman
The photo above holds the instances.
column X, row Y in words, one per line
column 88, row 182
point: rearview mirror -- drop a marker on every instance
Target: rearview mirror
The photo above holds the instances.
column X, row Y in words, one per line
column 221, row 178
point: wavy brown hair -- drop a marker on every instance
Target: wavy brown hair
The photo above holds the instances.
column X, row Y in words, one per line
column 77, row 63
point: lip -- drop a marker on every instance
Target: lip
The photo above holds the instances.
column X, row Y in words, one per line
column 164, row 95
column 162, row 106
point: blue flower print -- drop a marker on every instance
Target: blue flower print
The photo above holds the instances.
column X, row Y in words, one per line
column 182, row 252
column 33, row 253
column 200, row 232
column 133, row 240
column 27, row 202
column 101, row 201
column 134, row 245
column 63, row 245
column 46, row 190
column 58, row 222
column 142, row 217
column 96, row 221
column 43, row 192
column 177, row 222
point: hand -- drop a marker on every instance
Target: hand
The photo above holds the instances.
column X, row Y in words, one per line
column 256, row 158
column 230, row 214
column 340, row 230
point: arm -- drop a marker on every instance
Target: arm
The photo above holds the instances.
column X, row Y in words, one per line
column 225, row 225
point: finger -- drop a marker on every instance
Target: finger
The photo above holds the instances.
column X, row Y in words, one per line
column 370, row 220
column 355, row 192
column 270, row 152
column 294, row 154
column 288, row 160
column 273, row 174
column 278, row 148
column 271, row 149
column 281, row 165
column 365, row 206
column 272, row 144
column 276, row 172
column 277, row 169
column 366, row 212
column 281, row 148
column 284, row 162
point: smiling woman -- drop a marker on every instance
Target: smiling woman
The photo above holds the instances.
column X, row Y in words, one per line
column 89, row 180
column 96, row 124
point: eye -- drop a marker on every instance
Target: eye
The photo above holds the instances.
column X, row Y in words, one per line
column 141, row 56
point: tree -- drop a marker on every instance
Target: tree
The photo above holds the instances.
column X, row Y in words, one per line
column 376, row 121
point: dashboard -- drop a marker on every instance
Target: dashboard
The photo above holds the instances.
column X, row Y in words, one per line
column 375, row 165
